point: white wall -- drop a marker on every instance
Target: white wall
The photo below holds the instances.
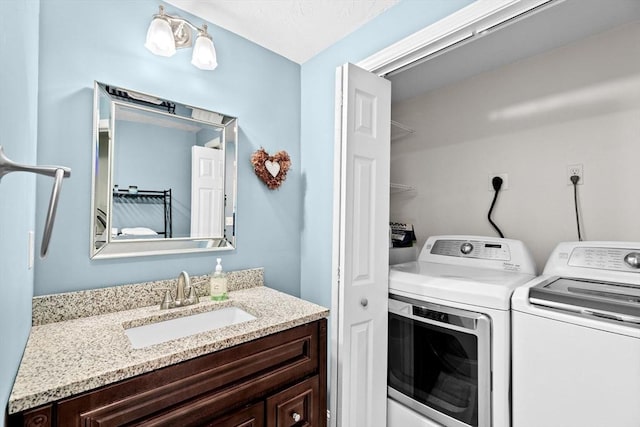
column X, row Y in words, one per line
column 576, row 104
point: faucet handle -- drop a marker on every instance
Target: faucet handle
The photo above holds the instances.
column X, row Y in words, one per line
column 167, row 301
column 192, row 296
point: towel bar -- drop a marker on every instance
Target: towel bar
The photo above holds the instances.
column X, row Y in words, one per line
column 57, row 172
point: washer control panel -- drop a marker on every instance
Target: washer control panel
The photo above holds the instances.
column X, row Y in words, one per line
column 472, row 249
column 615, row 259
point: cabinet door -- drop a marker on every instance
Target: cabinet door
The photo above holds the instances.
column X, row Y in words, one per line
column 296, row 406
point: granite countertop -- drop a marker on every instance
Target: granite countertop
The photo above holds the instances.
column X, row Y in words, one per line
column 68, row 357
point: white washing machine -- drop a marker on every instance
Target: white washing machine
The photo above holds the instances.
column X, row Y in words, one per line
column 576, row 339
column 449, row 332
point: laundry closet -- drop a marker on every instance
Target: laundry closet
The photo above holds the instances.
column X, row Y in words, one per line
column 533, row 102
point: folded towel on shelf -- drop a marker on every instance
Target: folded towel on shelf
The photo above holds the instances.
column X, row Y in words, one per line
column 138, row 231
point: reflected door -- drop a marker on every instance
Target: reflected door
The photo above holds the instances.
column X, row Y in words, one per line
column 207, row 192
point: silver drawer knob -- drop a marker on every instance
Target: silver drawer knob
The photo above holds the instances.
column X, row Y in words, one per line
column 296, row 417
column 364, row 302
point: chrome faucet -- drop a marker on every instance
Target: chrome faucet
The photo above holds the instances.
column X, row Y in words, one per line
column 183, row 288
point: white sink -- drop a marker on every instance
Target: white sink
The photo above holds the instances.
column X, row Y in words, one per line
column 156, row 333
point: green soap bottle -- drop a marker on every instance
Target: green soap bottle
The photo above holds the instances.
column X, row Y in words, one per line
column 218, row 283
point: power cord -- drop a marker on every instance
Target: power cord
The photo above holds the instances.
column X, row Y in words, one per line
column 574, row 180
column 496, row 182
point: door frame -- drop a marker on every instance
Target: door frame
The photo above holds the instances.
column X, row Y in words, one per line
column 475, row 20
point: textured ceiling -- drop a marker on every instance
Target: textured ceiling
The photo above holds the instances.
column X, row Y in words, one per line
column 295, row 29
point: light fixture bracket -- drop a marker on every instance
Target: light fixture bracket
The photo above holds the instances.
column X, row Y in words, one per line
column 181, row 32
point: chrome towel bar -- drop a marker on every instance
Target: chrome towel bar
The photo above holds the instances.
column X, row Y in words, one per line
column 57, row 172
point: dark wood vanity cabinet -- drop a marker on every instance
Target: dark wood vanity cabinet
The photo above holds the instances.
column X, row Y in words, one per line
column 275, row 381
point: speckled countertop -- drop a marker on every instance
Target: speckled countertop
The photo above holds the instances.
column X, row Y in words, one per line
column 68, row 357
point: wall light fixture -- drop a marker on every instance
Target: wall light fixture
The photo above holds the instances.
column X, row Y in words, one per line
column 167, row 33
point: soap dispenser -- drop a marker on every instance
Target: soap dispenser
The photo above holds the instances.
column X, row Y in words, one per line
column 218, row 283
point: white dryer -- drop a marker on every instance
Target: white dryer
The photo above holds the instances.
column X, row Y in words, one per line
column 449, row 332
column 576, row 339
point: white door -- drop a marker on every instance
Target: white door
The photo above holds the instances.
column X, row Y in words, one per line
column 360, row 249
column 207, row 192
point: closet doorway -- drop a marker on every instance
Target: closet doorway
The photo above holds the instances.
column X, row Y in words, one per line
column 473, row 42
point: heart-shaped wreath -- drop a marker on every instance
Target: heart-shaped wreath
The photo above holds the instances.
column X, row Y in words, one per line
column 271, row 169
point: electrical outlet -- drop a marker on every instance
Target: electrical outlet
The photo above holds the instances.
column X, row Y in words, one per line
column 505, row 181
column 575, row 170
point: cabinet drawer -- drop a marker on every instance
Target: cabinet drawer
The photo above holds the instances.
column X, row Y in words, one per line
column 295, row 406
column 253, row 416
column 187, row 416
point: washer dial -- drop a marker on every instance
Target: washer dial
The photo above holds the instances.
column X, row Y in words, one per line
column 466, row 248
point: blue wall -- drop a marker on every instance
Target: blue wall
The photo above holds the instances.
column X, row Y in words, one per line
column 318, row 98
column 18, row 137
column 83, row 41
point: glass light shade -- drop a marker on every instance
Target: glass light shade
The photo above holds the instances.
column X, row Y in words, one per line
column 204, row 54
column 160, row 39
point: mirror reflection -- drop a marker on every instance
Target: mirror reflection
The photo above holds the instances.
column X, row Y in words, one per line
column 164, row 176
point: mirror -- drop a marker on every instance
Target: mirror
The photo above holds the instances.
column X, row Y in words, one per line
column 164, row 176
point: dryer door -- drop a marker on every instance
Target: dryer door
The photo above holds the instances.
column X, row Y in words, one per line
column 439, row 362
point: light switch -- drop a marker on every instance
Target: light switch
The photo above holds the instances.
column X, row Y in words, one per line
column 31, row 249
